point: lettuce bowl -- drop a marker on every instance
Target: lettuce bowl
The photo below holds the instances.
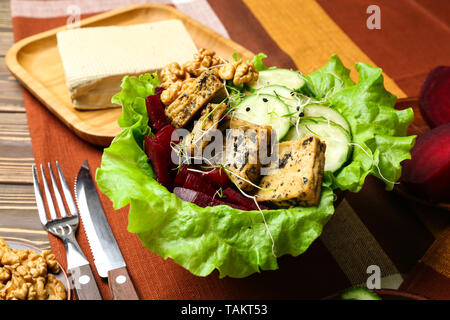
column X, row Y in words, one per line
column 240, row 243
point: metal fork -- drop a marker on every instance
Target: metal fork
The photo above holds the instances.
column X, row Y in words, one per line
column 65, row 227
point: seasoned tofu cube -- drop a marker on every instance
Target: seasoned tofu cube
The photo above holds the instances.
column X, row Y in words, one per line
column 245, row 145
column 297, row 178
column 201, row 134
column 206, row 87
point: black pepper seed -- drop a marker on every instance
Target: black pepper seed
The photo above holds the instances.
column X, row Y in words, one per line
column 301, row 114
column 298, row 108
column 292, row 93
column 307, row 141
column 265, row 99
column 305, row 180
column 247, row 109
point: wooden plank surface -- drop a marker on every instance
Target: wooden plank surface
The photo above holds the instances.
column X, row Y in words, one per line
column 18, row 215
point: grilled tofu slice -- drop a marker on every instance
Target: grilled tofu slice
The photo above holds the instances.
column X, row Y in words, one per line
column 206, row 87
column 201, row 134
column 245, row 145
column 297, row 179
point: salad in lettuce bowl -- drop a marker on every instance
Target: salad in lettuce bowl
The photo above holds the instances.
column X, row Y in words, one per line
column 363, row 133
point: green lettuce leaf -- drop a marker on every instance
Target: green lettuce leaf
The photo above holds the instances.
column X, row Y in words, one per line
column 258, row 62
column 329, row 79
column 378, row 130
column 132, row 88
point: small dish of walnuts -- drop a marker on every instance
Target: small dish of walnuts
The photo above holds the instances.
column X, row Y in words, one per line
column 29, row 273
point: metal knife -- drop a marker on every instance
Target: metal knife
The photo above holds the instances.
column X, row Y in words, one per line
column 108, row 259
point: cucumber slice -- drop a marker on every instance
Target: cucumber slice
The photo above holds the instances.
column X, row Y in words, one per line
column 284, row 77
column 264, row 109
column 317, row 111
column 336, row 138
column 299, row 103
column 288, row 96
column 359, row 294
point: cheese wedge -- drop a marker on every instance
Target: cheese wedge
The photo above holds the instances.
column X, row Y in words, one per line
column 96, row 59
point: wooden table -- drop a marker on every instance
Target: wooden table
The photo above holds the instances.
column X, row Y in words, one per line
column 18, row 212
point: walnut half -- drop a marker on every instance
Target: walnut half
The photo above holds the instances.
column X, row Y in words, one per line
column 245, row 72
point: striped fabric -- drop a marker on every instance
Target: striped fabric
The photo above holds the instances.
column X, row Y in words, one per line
column 371, row 229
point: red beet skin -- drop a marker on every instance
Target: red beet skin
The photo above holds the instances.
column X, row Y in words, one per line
column 434, row 101
column 156, row 114
column 427, row 174
column 159, row 159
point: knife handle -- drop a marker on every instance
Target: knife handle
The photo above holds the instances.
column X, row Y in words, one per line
column 120, row 285
column 84, row 283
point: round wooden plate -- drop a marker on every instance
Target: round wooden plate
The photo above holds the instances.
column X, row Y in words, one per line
column 417, row 127
column 61, row 276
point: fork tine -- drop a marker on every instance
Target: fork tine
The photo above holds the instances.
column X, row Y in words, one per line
column 48, row 195
column 59, row 201
column 39, row 200
column 69, row 199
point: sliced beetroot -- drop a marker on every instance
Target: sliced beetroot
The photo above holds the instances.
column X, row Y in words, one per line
column 195, row 182
column 218, row 178
column 164, row 135
column 181, row 175
column 156, row 113
column 199, row 198
column 233, row 196
column 427, row 174
column 217, row 202
column 168, row 138
column 434, row 101
column 202, row 199
column 158, row 156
